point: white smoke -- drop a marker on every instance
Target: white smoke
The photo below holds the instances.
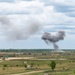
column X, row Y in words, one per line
column 51, row 38
column 19, row 32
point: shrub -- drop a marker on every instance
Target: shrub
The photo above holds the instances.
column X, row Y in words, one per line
column 4, row 65
column 32, row 64
column 25, row 65
column 53, row 65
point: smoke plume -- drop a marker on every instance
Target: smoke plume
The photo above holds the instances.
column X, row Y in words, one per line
column 50, row 38
column 19, row 32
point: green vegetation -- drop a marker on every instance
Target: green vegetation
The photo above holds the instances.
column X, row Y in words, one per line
column 32, row 64
column 4, row 66
column 53, row 65
column 54, row 73
column 25, row 65
column 63, row 63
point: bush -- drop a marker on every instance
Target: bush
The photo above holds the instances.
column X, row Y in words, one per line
column 17, row 65
column 74, row 72
column 4, row 65
column 25, row 65
column 3, row 68
column 32, row 64
column 53, row 65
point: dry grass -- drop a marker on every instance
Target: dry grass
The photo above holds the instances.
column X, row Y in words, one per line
column 11, row 70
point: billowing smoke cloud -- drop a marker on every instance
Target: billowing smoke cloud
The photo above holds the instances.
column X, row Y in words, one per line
column 49, row 38
column 19, row 32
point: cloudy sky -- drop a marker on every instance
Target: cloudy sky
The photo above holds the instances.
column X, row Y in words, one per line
column 18, row 18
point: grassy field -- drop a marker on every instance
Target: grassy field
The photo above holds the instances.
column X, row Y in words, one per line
column 17, row 66
column 55, row 73
column 65, row 64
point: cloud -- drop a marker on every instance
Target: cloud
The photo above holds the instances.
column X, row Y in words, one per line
column 21, row 8
column 63, row 6
column 7, row 0
column 19, row 31
column 14, row 1
column 67, row 7
column 55, row 14
column 47, row 2
column 26, row 0
column 61, row 17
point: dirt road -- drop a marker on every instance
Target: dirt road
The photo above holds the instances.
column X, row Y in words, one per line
column 28, row 72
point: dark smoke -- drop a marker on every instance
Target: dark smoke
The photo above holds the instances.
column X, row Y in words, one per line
column 50, row 38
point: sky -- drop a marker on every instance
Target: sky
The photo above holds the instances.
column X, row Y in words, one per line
column 18, row 18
